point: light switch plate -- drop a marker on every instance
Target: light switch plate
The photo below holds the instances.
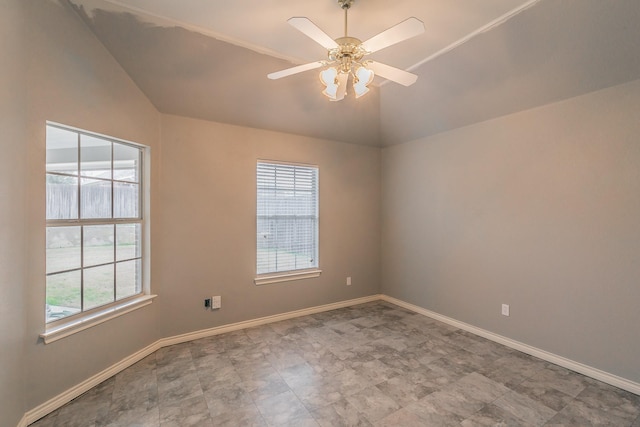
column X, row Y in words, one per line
column 216, row 302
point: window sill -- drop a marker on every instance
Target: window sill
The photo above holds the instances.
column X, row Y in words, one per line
column 58, row 332
column 285, row 277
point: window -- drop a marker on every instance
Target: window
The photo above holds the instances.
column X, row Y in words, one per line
column 287, row 219
column 94, row 222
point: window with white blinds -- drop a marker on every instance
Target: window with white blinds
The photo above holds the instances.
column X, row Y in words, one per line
column 287, row 217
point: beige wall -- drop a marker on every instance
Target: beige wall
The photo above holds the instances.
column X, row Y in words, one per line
column 12, row 212
column 203, row 212
column 209, row 230
column 73, row 80
column 539, row 210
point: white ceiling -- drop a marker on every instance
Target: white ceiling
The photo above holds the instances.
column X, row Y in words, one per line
column 261, row 25
column 477, row 60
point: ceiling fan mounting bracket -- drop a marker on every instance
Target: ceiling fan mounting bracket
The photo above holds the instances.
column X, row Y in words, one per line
column 345, row 4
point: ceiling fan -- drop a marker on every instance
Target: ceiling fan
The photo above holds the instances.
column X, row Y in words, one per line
column 345, row 56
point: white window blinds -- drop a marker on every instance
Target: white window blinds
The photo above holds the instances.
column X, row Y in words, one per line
column 287, row 217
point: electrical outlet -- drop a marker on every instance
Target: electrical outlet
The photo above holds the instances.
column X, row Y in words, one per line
column 505, row 310
column 349, row 281
column 207, row 302
column 216, row 302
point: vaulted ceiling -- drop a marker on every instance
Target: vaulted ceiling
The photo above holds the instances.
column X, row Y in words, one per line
column 476, row 60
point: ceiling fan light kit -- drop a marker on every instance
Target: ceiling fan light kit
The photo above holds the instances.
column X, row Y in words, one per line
column 345, row 56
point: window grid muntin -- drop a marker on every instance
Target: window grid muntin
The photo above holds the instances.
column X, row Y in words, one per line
column 83, row 222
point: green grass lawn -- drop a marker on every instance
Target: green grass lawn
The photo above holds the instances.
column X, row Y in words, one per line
column 64, row 289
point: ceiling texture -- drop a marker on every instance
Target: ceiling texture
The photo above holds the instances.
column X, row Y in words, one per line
column 477, row 60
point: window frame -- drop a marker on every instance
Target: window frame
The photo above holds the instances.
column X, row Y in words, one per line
column 297, row 274
column 68, row 325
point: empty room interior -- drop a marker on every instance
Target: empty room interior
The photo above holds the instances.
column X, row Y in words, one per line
column 437, row 226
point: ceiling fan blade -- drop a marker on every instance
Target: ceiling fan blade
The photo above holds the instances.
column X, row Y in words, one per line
column 392, row 73
column 295, row 70
column 405, row 30
column 312, row 31
column 342, row 86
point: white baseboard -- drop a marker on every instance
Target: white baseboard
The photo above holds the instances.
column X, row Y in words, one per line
column 75, row 391
column 70, row 394
column 23, row 421
column 191, row 336
column 581, row 368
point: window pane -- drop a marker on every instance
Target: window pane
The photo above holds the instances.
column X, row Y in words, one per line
column 63, row 248
column 62, row 197
column 287, row 217
column 128, row 241
column 96, row 198
column 125, row 200
column 63, row 295
column 128, row 278
column 90, row 177
column 98, row 244
column 62, row 151
column 95, row 157
column 126, row 162
column 286, row 244
column 98, row 286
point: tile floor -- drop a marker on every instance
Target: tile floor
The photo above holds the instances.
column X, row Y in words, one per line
column 374, row 364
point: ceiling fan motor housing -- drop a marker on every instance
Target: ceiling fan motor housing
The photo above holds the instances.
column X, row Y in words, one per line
column 348, row 47
column 348, row 52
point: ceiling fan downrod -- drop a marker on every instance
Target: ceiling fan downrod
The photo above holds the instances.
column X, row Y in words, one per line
column 345, row 4
column 348, row 50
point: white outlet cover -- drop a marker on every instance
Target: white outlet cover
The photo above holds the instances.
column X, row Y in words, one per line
column 505, row 309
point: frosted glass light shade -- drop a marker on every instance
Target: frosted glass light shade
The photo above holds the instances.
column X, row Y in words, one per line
column 363, row 78
column 328, row 78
